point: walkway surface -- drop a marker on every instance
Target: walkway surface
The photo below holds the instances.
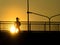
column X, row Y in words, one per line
column 26, row 38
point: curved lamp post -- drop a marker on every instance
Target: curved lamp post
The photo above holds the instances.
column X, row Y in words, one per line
column 42, row 16
column 54, row 16
column 49, row 18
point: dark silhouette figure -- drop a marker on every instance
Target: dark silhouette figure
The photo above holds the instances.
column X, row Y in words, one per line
column 17, row 24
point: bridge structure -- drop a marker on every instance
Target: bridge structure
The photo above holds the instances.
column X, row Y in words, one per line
column 35, row 25
column 49, row 18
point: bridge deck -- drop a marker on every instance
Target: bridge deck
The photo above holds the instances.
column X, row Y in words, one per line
column 28, row 37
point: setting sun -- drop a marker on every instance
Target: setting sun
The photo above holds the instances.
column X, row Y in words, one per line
column 13, row 30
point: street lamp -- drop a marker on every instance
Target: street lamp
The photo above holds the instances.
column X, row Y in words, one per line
column 28, row 13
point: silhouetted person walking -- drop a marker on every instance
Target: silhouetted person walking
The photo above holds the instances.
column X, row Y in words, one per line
column 17, row 23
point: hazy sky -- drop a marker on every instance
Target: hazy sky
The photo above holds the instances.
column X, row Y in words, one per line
column 10, row 9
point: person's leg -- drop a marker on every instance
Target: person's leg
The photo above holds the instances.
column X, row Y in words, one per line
column 19, row 29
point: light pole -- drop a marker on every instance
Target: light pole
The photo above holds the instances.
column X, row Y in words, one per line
column 28, row 14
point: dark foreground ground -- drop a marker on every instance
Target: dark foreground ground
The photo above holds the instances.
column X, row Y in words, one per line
column 27, row 38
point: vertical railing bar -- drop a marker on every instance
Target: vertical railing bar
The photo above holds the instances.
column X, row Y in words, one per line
column 45, row 26
column 58, row 27
column 30, row 26
column 0, row 25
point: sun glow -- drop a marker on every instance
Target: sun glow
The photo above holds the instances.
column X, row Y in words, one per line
column 13, row 30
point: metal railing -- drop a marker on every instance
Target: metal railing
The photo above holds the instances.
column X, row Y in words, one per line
column 49, row 18
column 33, row 25
column 44, row 26
column 6, row 25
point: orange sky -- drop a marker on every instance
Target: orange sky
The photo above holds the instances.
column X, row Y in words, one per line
column 10, row 9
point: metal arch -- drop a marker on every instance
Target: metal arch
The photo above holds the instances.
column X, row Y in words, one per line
column 54, row 16
column 38, row 14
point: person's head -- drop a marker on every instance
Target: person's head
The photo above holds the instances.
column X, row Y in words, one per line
column 17, row 19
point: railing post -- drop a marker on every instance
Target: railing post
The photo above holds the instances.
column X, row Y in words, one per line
column 0, row 25
column 45, row 26
column 58, row 27
column 30, row 26
column 49, row 25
